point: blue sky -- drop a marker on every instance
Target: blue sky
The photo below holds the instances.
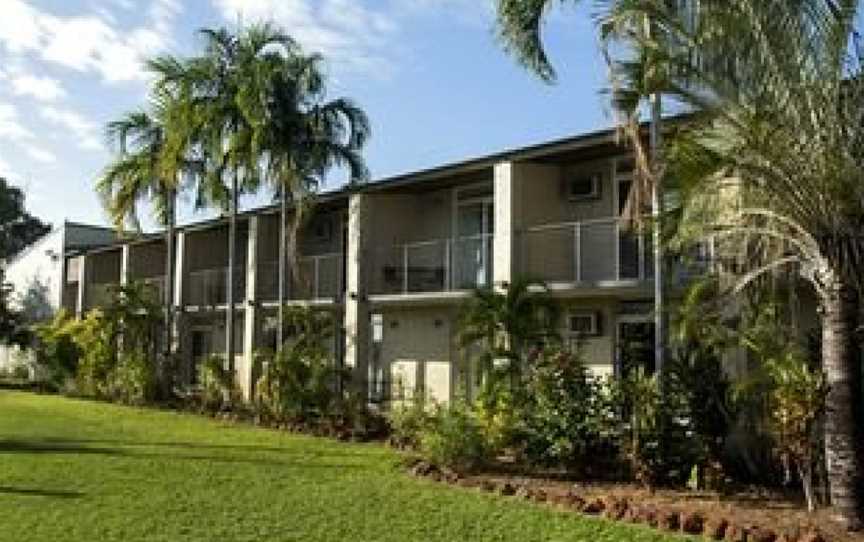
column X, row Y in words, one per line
column 429, row 73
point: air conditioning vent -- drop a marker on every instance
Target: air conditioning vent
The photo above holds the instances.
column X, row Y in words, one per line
column 583, row 324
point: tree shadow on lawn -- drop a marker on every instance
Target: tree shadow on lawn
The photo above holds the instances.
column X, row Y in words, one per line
column 58, row 446
column 27, row 492
column 204, row 446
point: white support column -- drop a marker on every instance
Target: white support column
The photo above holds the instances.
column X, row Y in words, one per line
column 245, row 371
column 179, row 280
column 356, row 303
column 508, row 210
column 80, row 306
column 124, row 264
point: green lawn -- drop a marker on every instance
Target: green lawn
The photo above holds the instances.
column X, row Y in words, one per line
column 76, row 470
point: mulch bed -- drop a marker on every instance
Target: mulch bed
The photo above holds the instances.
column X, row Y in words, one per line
column 748, row 516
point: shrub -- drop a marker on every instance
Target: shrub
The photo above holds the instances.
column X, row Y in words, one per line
column 500, row 411
column 218, row 387
column 566, row 418
column 453, row 438
column 56, row 353
column 301, row 383
column 407, row 422
column 133, row 380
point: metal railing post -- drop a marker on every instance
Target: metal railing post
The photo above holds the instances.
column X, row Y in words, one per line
column 577, row 250
column 404, row 269
column 447, row 279
column 317, row 277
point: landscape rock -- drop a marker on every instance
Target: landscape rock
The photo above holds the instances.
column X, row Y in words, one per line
column 715, row 528
column 507, row 489
column 487, row 485
column 736, row 533
column 669, row 520
column 614, row 508
column 594, row 507
column 538, row 495
column 523, row 492
column 812, row 536
column 761, row 534
column 692, row 523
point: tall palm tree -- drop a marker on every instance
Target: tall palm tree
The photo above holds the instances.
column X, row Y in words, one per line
column 519, row 25
column 139, row 175
column 772, row 172
column 227, row 83
column 302, row 137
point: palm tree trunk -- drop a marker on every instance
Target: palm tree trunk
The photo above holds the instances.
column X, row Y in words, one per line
column 229, row 294
column 283, row 236
column 169, row 277
column 843, row 439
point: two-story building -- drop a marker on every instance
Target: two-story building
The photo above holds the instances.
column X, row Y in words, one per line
column 394, row 260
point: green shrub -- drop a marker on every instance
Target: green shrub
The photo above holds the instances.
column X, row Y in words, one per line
column 566, row 418
column 407, row 422
column 453, row 438
column 500, row 409
column 301, row 383
column 218, row 386
column 133, row 380
column 56, row 352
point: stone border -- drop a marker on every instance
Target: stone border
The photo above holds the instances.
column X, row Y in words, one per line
column 668, row 519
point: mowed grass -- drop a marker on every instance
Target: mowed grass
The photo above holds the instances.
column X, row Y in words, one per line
column 82, row 471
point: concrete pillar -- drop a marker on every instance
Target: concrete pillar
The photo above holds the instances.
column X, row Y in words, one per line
column 80, row 306
column 124, row 265
column 245, row 373
column 179, row 278
column 508, row 211
column 356, row 302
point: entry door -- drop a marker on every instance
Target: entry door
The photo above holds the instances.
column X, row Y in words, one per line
column 635, row 347
column 472, row 252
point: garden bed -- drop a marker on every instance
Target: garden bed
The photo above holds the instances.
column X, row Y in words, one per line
column 756, row 515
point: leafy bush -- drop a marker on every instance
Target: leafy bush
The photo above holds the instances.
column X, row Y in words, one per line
column 453, row 438
column 407, row 422
column 301, row 383
column 566, row 419
column 500, row 410
column 56, row 351
column 133, row 380
column 218, row 386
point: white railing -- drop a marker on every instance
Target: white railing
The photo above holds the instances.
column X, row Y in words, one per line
column 462, row 263
column 208, row 287
column 587, row 251
column 313, row 277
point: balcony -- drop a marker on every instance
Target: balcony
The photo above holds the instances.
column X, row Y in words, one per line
column 154, row 288
column 314, row 278
column 100, row 295
column 440, row 265
column 594, row 252
column 208, row 287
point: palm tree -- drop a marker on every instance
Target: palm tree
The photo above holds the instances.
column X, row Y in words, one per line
column 772, row 173
column 227, row 85
column 508, row 323
column 303, row 136
column 138, row 175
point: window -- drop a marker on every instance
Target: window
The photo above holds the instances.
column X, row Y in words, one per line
column 581, row 187
column 583, row 324
column 321, row 229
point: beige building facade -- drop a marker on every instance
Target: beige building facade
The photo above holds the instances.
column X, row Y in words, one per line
column 395, row 259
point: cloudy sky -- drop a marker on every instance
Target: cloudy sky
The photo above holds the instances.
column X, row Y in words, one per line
column 429, row 73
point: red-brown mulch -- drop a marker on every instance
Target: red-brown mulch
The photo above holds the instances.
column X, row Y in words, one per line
column 748, row 516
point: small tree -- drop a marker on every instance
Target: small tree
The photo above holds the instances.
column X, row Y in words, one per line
column 796, row 400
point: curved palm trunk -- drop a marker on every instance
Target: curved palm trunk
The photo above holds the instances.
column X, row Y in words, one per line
column 843, row 438
column 283, row 238
column 229, row 294
column 169, row 285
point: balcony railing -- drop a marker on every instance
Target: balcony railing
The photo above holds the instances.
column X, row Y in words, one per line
column 312, row 277
column 439, row 265
column 590, row 251
column 100, row 295
column 208, row 287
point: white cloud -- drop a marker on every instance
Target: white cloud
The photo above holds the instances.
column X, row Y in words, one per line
column 346, row 32
column 45, row 89
column 84, row 131
column 11, row 126
column 39, row 154
column 88, row 43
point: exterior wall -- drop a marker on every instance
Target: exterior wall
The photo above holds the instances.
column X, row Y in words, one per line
column 417, row 353
column 36, row 277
